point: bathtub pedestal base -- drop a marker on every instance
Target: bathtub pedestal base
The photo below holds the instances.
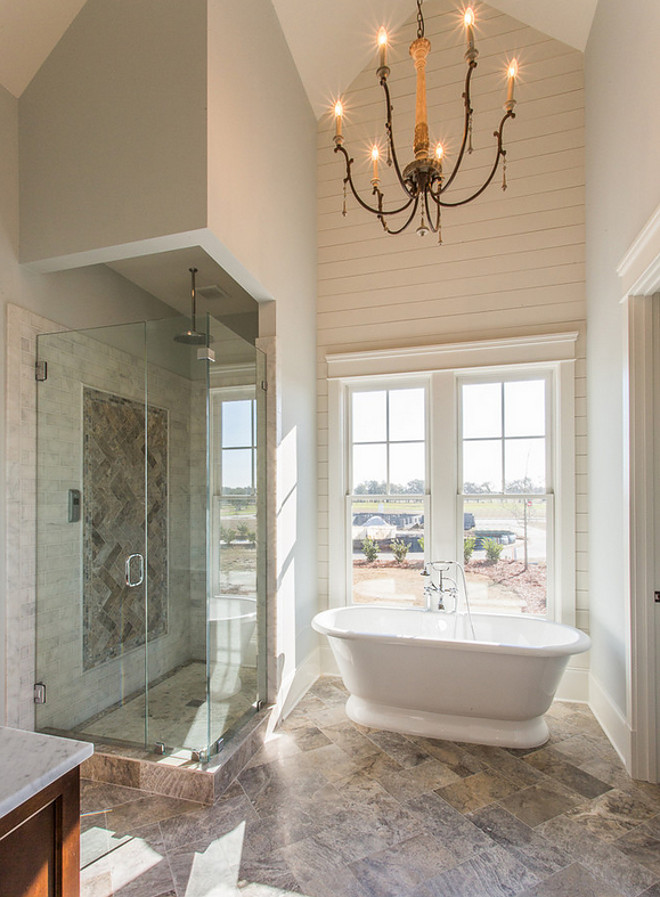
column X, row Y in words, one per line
column 478, row 730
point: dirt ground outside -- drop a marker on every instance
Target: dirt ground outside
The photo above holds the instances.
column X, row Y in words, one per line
column 504, row 586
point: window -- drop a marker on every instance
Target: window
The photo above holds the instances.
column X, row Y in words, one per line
column 456, row 451
column 504, row 490
column 386, row 503
column 234, row 485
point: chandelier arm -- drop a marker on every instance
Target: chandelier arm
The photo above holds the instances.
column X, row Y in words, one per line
column 349, row 180
column 376, row 211
column 408, row 220
column 400, row 209
column 501, row 153
column 390, row 138
column 466, row 127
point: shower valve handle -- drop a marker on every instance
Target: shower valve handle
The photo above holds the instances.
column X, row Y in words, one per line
column 130, row 582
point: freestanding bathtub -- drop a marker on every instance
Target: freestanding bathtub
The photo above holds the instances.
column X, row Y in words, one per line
column 232, row 622
column 424, row 673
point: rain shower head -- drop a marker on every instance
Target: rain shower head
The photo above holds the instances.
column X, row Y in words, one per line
column 193, row 337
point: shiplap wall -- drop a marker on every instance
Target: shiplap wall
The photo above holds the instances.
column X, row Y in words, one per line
column 512, row 263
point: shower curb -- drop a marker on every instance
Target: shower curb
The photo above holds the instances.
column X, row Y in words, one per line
column 174, row 776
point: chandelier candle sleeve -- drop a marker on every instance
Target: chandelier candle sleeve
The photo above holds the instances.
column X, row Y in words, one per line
column 511, row 72
column 382, row 48
column 374, row 156
column 339, row 111
column 469, row 27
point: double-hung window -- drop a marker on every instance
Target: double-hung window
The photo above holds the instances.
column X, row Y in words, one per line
column 474, row 463
column 387, row 502
column 505, row 489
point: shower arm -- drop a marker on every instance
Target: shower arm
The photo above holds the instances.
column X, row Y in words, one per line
column 193, row 297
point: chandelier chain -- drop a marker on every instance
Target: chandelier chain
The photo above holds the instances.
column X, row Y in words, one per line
column 420, row 20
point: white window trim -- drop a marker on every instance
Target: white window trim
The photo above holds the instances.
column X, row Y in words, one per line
column 554, row 352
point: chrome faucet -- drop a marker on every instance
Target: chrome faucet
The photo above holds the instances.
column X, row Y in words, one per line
column 435, row 592
column 431, row 589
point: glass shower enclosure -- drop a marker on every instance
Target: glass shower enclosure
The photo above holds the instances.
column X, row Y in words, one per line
column 150, row 535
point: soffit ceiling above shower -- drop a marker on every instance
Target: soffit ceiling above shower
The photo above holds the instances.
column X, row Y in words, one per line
column 166, row 276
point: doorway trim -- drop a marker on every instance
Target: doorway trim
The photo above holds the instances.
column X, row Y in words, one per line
column 639, row 271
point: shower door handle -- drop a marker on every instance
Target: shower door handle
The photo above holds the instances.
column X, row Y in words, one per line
column 130, row 582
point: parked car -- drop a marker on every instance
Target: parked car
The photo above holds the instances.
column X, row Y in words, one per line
column 501, row 536
column 468, row 520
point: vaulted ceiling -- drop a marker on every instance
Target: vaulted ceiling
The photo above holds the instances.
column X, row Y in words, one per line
column 330, row 40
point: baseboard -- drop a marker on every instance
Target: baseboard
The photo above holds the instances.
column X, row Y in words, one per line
column 611, row 720
column 296, row 685
column 574, row 685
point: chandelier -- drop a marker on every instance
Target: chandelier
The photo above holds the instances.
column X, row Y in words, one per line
column 423, row 181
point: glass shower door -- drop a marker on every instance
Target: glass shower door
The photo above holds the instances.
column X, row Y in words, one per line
column 91, row 615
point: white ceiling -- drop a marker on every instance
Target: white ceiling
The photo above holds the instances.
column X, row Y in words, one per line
column 330, row 40
column 29, row 29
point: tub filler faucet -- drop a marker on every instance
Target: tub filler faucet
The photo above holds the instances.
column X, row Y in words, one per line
column 439, row 584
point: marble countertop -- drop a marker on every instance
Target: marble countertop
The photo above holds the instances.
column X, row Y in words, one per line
column 30, row 761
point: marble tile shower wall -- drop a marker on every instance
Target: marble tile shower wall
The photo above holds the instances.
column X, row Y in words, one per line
column 75, row 360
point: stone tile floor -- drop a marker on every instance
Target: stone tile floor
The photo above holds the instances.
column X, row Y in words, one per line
column 331, row 809
column 174, row 719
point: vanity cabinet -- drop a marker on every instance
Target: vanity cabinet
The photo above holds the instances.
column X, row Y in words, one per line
column 40, row 843
column 40, row 818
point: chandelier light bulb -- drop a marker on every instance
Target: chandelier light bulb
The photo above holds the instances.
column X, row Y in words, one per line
column 439, row 151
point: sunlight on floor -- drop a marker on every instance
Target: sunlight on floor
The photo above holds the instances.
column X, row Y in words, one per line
column 115, row 864
column 112, row 861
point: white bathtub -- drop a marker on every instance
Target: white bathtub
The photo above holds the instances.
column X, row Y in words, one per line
column 232, row 622
column 423, row 673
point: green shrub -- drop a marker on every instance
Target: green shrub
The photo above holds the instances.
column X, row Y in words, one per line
column 493, row 550
column 227, row 535
column 420, row 542
column 399, row 550
column 468, row 547
column 370, row 549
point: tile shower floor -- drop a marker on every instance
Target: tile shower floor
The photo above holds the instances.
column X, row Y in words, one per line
column 331, row 809
column 175, row 722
